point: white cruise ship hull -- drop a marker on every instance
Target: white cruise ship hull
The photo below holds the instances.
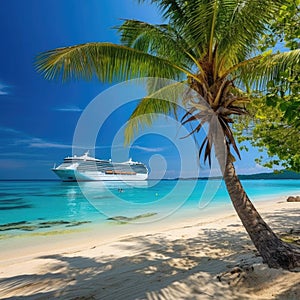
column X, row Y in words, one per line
column 73, row 175
column 86, row 168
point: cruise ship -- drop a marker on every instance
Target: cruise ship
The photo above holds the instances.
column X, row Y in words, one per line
column 86, row 168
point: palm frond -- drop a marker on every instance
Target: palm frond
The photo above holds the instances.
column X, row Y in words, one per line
column 193, row 19
column 196, row 129
column 146, row 112
column 172, row 10
column 109, row 62
column 219, row 128
column 267, row 68
column 229, row 135
column 201, row 23
column 245, row 21
column 160, row 40
column 164, row 99
column 212, row 40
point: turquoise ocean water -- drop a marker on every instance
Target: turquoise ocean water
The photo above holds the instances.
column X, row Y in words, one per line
column 42, row 206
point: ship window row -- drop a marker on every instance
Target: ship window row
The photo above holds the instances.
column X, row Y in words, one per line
column 103, row 169
column 105, row 166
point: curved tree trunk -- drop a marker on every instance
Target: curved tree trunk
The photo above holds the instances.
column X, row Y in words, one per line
column 273, row 250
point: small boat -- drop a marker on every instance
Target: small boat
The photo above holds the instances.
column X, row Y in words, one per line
column 87, row 168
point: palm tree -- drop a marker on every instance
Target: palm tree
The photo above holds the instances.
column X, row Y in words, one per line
column 211, row 46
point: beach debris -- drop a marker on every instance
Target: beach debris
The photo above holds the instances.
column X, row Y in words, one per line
column 236, row 275
column 292, row 236
column 124, row 219
column 293, row 199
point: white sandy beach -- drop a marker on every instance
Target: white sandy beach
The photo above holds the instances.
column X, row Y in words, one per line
column 211, row 258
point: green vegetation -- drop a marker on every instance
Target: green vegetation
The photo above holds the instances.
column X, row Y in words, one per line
column 213, row 47
column 274, row 175
column 274, row 114
column 282, row 174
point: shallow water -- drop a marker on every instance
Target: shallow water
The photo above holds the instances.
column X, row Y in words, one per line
column 45, row 206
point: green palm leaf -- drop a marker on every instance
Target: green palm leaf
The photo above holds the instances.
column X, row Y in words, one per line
column 245, row 21
column 159, row 40
column 109, row 62
column 171, row 9
column 269, row 67
column 164, row 99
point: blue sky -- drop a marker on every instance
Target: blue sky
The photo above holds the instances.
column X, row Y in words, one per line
column 38, row 117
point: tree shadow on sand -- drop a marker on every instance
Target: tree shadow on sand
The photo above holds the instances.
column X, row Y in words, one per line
column 157, row 267
column 284, row 220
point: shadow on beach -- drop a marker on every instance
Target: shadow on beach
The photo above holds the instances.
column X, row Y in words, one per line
column 162, row 266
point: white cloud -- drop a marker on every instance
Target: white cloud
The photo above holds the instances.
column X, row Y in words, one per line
column 3, row 89
column 23, row 139
column 33, row 142
column 147, row 149
column 39, row 143
column 108, row 147
column 69, row 109
column 18, row 138
column 253, row 169
column 9, row 130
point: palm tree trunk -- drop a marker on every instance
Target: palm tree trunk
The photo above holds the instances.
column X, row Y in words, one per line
column 274, row 251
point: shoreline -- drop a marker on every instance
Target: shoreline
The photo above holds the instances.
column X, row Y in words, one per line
column 104, row 267
column 112, row 231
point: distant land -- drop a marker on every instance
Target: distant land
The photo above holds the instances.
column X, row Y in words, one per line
column 275, row 175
